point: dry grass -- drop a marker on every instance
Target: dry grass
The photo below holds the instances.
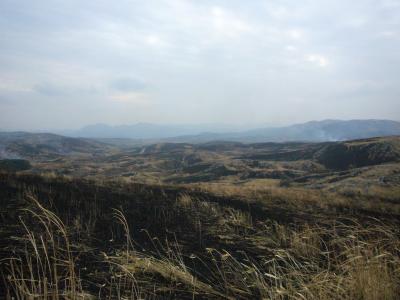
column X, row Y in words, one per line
column 44, row 267
column 195, row 249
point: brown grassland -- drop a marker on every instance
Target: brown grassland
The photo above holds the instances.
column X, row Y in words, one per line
column 203, row 223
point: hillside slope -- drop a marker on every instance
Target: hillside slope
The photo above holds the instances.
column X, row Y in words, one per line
column 46, row 145
column 360, row 153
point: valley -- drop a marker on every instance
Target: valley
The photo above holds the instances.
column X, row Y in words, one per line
column 215, row 220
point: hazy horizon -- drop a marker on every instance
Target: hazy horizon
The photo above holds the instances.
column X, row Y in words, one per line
column 191, row 127
column 65, row 65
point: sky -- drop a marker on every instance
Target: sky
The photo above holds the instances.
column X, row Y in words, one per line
column 67, row 64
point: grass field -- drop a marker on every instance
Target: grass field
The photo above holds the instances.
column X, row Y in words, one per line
column 77, row 239
column 300, row 231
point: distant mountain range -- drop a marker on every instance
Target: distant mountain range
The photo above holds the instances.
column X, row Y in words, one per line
column 314, row 131
column 146, row 131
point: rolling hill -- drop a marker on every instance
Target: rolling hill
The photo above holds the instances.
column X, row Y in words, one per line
column 35, row 145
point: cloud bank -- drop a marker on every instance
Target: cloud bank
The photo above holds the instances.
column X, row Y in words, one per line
column 65, row 64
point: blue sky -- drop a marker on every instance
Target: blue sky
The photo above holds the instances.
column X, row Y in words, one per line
column 66, row 64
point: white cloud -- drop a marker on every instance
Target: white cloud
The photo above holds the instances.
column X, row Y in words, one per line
column 12, row 86
column 154, row 40
column 137, row 98
column 357, row 21
column 391, row 3
column 295, row 34
column 279, row 12
column 388, row 34
column 290, row 48
column 217, row 11
column 318, row 60
column 228, row 24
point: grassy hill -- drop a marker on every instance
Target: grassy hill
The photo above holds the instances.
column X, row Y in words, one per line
column 360, row 153
column 219, row 220
column 46, row 145
column 219, row 161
